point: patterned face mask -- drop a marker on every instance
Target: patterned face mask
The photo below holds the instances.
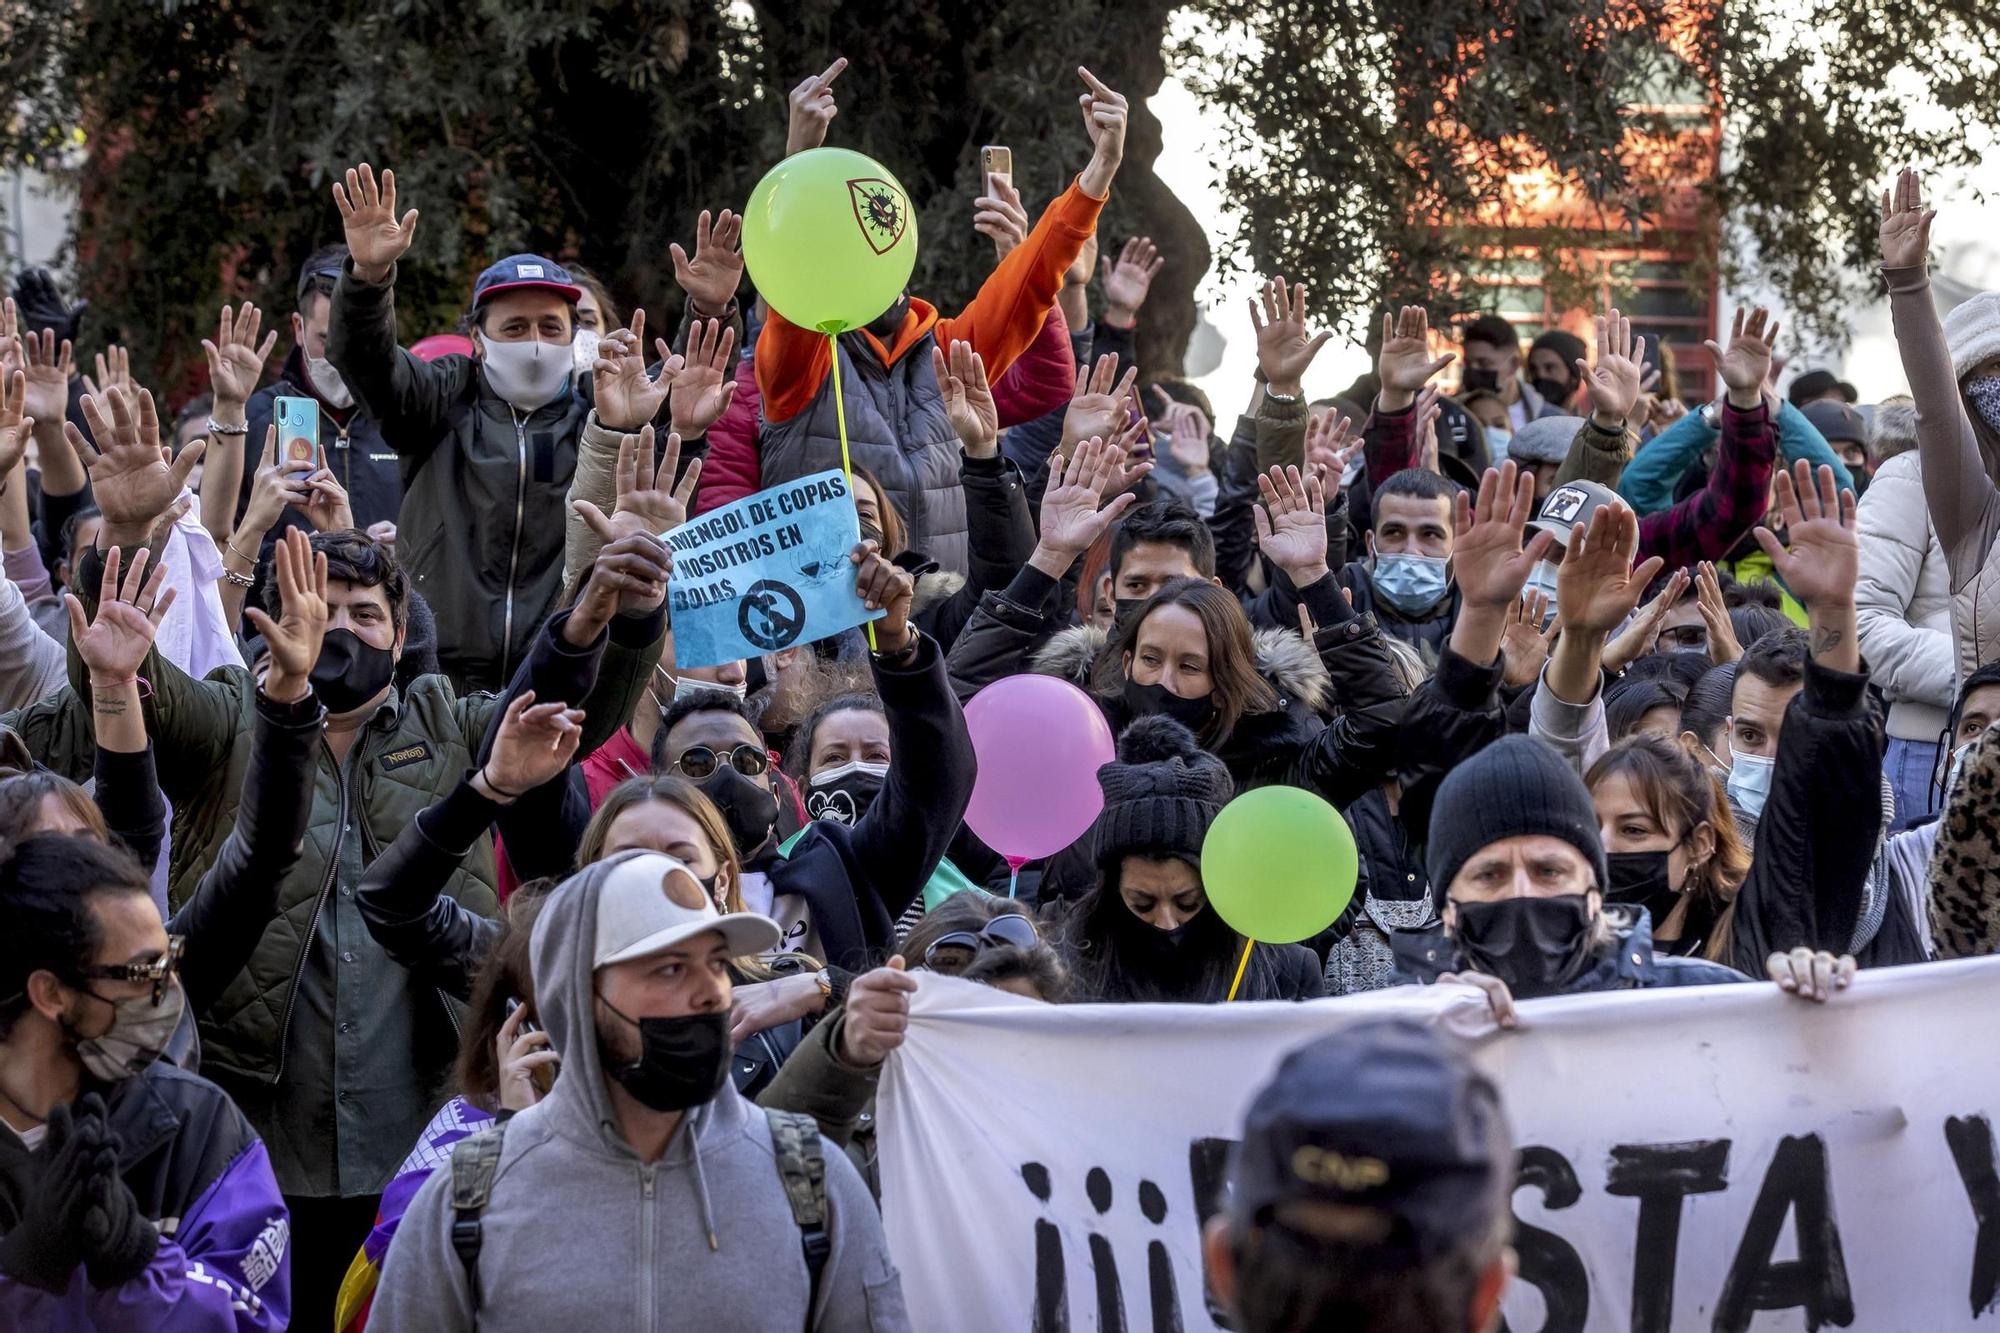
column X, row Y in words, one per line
column 1984, row 394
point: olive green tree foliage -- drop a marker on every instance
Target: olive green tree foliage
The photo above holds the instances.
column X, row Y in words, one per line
column 203, row 136
column 1378, row 140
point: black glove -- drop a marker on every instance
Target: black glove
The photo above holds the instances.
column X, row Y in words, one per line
column 42, row 306
column 46, row 1245
column 118, row 1239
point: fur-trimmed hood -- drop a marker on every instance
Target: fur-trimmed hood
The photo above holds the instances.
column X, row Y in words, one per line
column 1283, row 658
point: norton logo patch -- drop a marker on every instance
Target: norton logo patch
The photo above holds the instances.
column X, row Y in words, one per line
column 882, row 212
column 406, row 756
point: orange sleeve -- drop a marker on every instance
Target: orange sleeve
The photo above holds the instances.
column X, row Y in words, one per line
column 791, row 364
column 1013, row 302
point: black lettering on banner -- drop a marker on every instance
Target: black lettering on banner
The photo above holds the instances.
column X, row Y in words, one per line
column 1051, row 1280
column 790, row 537
column 1797, row 1182
column 1208, row 1173
column 1659, row 1175
column 1548, row 1262
column 1971, row 1141
column 1160, row 1285
column 761, row 511
column 1103, row 1263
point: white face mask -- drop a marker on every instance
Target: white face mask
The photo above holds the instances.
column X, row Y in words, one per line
column 583, row 352
column 327, row 381
column 1951, row 769
column 687, row 686
column 139, row 1034
column 1542, row 578
column 526, row 374
column 1750, row 783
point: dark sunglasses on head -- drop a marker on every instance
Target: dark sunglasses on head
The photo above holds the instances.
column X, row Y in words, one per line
column 158, row 972
column 699, row 761
column 953, row 953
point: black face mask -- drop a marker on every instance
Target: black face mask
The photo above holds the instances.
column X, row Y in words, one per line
column 747, row 808
column 1535, row 945
column 871, row 533
column 1145, row 700
column 1556, row 391
column 1478, row 377
column 1124, row 611
column 350, row 671
column 1641, row 878
column 890, row 322
column 844, row 794
column 1860, row 475
column 682, row 1062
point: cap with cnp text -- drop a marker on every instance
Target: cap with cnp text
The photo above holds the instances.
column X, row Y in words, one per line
column 519, row 271
column 1387, row 1114
column 648, row 903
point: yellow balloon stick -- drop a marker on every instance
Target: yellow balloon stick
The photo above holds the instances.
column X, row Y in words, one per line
column 1242, row 964
column 847, row 464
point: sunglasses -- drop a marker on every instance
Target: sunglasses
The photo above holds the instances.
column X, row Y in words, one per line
column 699, row 761
column 953, row 953
column 1686, row 636
column 159, row 972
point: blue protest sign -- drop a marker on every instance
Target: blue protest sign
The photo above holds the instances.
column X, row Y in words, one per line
column 765, row 573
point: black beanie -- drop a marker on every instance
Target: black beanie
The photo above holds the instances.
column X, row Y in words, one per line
column 1160, row 794
column 1515, row 787
column 1565, row 345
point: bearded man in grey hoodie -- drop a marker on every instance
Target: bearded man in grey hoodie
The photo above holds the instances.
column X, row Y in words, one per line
column 643, row 1189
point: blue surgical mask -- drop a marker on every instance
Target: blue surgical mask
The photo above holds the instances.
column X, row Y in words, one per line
column 1750, row 783
column 1497, row 443
column 1542, row 578
column 1412, row 584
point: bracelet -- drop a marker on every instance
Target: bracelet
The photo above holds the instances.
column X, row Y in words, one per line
column 499, row 790
column 236, row 580
column 145, row 686
column 217, row 428
column 231, row 544
column 1274, row 396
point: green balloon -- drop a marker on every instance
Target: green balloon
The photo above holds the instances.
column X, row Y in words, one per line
column 1279, row 864
column 830, row 239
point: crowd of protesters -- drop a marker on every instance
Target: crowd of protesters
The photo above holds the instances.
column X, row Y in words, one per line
column 383, row 901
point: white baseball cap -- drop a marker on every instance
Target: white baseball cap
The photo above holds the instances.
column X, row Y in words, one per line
column 649, row 903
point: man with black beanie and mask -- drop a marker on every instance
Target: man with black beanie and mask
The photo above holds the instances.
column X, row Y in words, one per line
column 1517, row 867
column 723, row 1225
column 334, row 1052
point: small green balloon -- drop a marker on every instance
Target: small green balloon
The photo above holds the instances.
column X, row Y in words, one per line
column 1279, row 864
column 830, row 239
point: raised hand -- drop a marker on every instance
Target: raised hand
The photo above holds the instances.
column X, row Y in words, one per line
column 1097, row 409
column 129, row 470
column 1071, row 515
column 1405, row 364
column 534, row 744
column 1129, row 279
column 1824, row 559
column 1187, row 432
column 1524, row 644
column 710, row 278
column 706, row 384
column 1746, row 363
column 1906, row 224
column 629, row 578
column 1614, row 380
column 1488, row 560
column 1291, row 524
column 235, row 357
column 811, row 110
column 1331, row 445
column 294, row 638
column 376, row 238
column 1643, row 630
column 1722, row 645
column 885, row 586
column 1000, row 216
column 1104, row 113
column 1284, row 349
column 49, row 367
column 276, row 483
column 968, row 400
column 650, row 507
column 324, row 502
column 114, row 371
column 1596, row 585
column 625, row 396
column 15, row 426
column 128, row 616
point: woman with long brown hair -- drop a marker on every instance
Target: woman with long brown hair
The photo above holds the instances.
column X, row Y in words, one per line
column 1670, row 843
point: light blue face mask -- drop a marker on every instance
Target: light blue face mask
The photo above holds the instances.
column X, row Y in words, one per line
column 1542, row 579
column 1750, row 783
column 1412, row 584
column 1498, row 442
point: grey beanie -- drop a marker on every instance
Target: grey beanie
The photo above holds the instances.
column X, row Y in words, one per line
column 1513, row 788
column 1546, row 440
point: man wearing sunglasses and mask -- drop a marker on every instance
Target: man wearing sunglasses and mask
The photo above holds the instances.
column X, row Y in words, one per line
column 839, row 889
column 631, row 969
column 132, row 1194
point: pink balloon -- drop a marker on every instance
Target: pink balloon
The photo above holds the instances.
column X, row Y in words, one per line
column 1040, row 742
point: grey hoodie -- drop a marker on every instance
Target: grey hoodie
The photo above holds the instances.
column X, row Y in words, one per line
column 701, row 1240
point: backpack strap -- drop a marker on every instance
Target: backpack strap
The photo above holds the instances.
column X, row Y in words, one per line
column 473, row 1163
column 801, row 1158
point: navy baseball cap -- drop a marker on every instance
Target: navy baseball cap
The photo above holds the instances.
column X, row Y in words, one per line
column 1836, row 421
column 518, row 271
column 1387, row 1115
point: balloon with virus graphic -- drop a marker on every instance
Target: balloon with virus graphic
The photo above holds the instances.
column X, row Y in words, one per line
column 829, row 239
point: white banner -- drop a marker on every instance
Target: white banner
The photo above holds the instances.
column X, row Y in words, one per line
column 1723, row 1157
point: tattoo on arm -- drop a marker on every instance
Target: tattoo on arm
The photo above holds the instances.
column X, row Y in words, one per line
column 1825, row 640
column 112, row 705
